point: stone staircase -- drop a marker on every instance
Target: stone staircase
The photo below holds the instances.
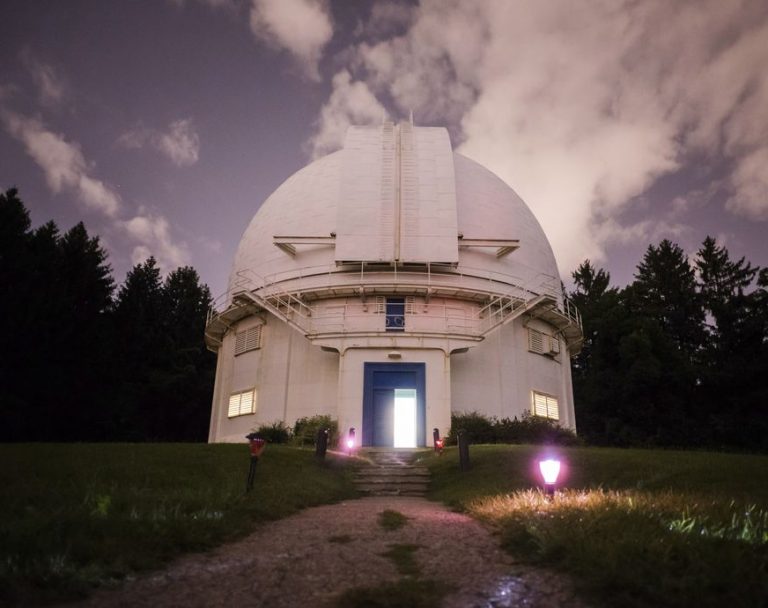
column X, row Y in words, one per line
column 391, row 473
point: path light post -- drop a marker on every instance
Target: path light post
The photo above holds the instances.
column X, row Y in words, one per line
column 351, row 440
column 321, row 444
column 439, row 443
column 256, row 445
column 550, row 469
column 463, row 450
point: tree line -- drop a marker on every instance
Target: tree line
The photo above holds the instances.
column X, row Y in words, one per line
column 86, row 360
column 677, row 358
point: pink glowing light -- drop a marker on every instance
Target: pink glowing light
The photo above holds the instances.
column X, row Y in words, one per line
column 550, row 469
column 350, row 443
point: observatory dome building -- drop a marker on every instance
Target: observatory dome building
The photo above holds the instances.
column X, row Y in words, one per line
column 387, row 285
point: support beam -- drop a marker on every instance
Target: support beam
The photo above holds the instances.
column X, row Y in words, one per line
column 288, row 243
column 502, row 246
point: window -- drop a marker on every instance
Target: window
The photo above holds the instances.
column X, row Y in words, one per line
column 395, row 310
column 250, row 339
column 243, row 403
column 395, row 314
column 545, row 406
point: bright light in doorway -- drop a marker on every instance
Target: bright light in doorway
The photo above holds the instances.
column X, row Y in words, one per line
column 405, row 418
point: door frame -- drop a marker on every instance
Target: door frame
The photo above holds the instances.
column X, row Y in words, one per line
column 417, row 381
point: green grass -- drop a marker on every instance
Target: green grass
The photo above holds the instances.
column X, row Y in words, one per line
column 81, row 515
column 634, row 528
column 392, row 520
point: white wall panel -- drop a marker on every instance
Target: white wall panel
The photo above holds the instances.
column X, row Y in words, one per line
column 428, row 218
column 365, row 214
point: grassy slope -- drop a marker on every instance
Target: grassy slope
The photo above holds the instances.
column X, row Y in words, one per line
column 635, row 527
column 74, row 516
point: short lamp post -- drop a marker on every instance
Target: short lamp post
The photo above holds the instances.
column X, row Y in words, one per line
column 351, row 440
column 550, row 469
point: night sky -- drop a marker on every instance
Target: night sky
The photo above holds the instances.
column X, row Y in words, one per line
column 163, row 124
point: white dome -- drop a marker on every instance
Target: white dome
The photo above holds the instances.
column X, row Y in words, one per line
column 307, row 205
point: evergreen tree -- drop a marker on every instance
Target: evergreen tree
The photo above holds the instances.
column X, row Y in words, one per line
column 142, row 349
column 665, row 290
column 722, row 282
column 732, row 371
column 190, row 375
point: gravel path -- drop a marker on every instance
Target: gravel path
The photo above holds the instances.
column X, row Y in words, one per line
column 310, row 558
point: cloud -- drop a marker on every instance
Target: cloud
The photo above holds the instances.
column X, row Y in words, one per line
column 215, row 4
column 582, row 107
column 66, row 170
column 387, row 18
column 63, row 163
column 51, row 86
column 301, row 27
column 750, row 182
column 351, row 103
column 152, row 232
column 180, row 143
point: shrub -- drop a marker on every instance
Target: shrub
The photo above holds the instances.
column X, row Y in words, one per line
column 277, row 432
column 529, row 429
column 479, row 428
column 305, row 430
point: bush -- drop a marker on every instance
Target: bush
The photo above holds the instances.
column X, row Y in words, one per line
column 305, row 430
column 530, row 429
column 277, row 432
column 479, row 428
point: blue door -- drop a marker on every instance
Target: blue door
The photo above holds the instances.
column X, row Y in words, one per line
column 389, row 390
column 383, row 416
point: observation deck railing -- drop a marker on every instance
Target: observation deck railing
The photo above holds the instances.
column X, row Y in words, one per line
column 293, row 296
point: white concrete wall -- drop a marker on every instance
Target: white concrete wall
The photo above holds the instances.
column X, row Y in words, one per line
column 437, row 386
column 292, row 378
column 496, row 377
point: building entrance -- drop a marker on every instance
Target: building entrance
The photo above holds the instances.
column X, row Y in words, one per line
column 394, row 405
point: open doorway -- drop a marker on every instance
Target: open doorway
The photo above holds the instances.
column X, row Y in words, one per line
column 394, row 405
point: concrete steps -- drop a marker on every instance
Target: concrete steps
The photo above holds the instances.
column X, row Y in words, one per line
column 392, row 474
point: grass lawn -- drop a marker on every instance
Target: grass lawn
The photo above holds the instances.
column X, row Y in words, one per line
column 79, row 515
column 634, row 528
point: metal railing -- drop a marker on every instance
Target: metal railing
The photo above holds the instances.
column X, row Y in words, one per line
column 506, row 294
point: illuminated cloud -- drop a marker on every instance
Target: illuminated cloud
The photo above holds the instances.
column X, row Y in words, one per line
column 180, row 143
column 582, row 107
column 350, row 103
column 66, row 170
column 152, row 232
column 51, row 86
column 301, row 27
column 63, row 163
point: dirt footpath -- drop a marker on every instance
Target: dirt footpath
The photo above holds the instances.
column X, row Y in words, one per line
column 310, row 558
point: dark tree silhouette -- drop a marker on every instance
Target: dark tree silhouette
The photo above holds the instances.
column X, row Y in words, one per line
column 85, row 367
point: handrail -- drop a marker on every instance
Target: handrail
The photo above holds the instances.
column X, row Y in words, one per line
column 504, row 290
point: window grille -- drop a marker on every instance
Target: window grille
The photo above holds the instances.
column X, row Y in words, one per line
column 545, row 406
column 535, row 341
column 554, row 345
column 409, row 304
column 543, row 344
column 243, row 403
column 250, row 339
